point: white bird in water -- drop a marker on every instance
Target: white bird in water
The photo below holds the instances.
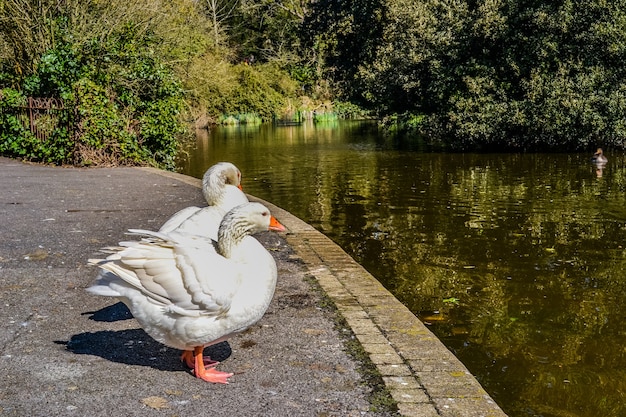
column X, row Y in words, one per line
column 599, row 158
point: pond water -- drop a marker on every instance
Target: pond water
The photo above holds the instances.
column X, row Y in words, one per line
column 515, row 261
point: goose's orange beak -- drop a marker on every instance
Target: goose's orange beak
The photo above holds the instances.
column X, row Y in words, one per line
column 240, row 187
column 275, row 225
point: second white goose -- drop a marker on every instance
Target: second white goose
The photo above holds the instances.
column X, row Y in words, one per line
column 221, row 187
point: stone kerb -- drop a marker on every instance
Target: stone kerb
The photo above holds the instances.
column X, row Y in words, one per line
column 422, row 375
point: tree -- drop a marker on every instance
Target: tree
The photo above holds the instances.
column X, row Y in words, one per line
column 521, row 74
column 344, row 36
column 220, row 14
column 270, row 30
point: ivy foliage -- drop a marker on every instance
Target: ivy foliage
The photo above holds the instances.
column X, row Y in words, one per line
column 132, row 73
column 15, row 136
column 121, row 103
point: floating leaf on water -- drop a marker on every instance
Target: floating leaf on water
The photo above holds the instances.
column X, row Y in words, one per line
column 435, row 316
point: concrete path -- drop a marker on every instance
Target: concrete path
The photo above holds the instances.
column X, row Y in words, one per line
column 65, row 352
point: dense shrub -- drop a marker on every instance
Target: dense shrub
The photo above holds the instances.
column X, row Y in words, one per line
column 15, row 136
column 122, row 105
column 227, row 89
column 133, row 72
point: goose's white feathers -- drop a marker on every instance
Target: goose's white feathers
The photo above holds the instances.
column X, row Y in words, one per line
column 180, row 287
column 220, row 187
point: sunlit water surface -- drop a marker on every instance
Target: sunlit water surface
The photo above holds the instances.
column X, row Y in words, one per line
column 515, row 261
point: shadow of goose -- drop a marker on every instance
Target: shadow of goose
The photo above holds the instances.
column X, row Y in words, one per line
column 115, row 312
column 132, row 346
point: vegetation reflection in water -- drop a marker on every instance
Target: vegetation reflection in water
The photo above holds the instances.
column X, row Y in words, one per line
column 516, row 261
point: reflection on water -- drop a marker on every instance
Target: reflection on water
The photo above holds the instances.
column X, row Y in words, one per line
column 515, row 261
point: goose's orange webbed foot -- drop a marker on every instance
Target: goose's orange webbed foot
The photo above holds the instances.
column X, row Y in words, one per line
column 209, row 374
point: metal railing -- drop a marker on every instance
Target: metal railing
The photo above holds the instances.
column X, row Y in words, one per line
column 41, row 115
column 44, row 115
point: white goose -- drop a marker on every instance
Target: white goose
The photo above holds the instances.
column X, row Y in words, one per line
column 221, row 187
column 187, row 291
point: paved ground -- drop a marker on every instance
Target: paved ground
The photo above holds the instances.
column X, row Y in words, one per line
column 64, row 352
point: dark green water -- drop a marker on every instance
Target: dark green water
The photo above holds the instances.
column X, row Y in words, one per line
column 515, row 261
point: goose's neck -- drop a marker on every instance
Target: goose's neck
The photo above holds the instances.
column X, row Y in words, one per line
column 214, row 189
column 230, row 235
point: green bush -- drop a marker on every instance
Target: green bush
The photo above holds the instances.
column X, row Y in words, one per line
column 259, row 90
column 15, row 136
column 125, row 110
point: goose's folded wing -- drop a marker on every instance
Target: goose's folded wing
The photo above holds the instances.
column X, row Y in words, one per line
column 171, row 273
column 178, row 218
column 211, row 280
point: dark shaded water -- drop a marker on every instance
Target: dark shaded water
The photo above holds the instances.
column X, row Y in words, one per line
column 515, row 261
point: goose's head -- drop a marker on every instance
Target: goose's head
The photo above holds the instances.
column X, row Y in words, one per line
column 244, row 220
column 217, row 178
